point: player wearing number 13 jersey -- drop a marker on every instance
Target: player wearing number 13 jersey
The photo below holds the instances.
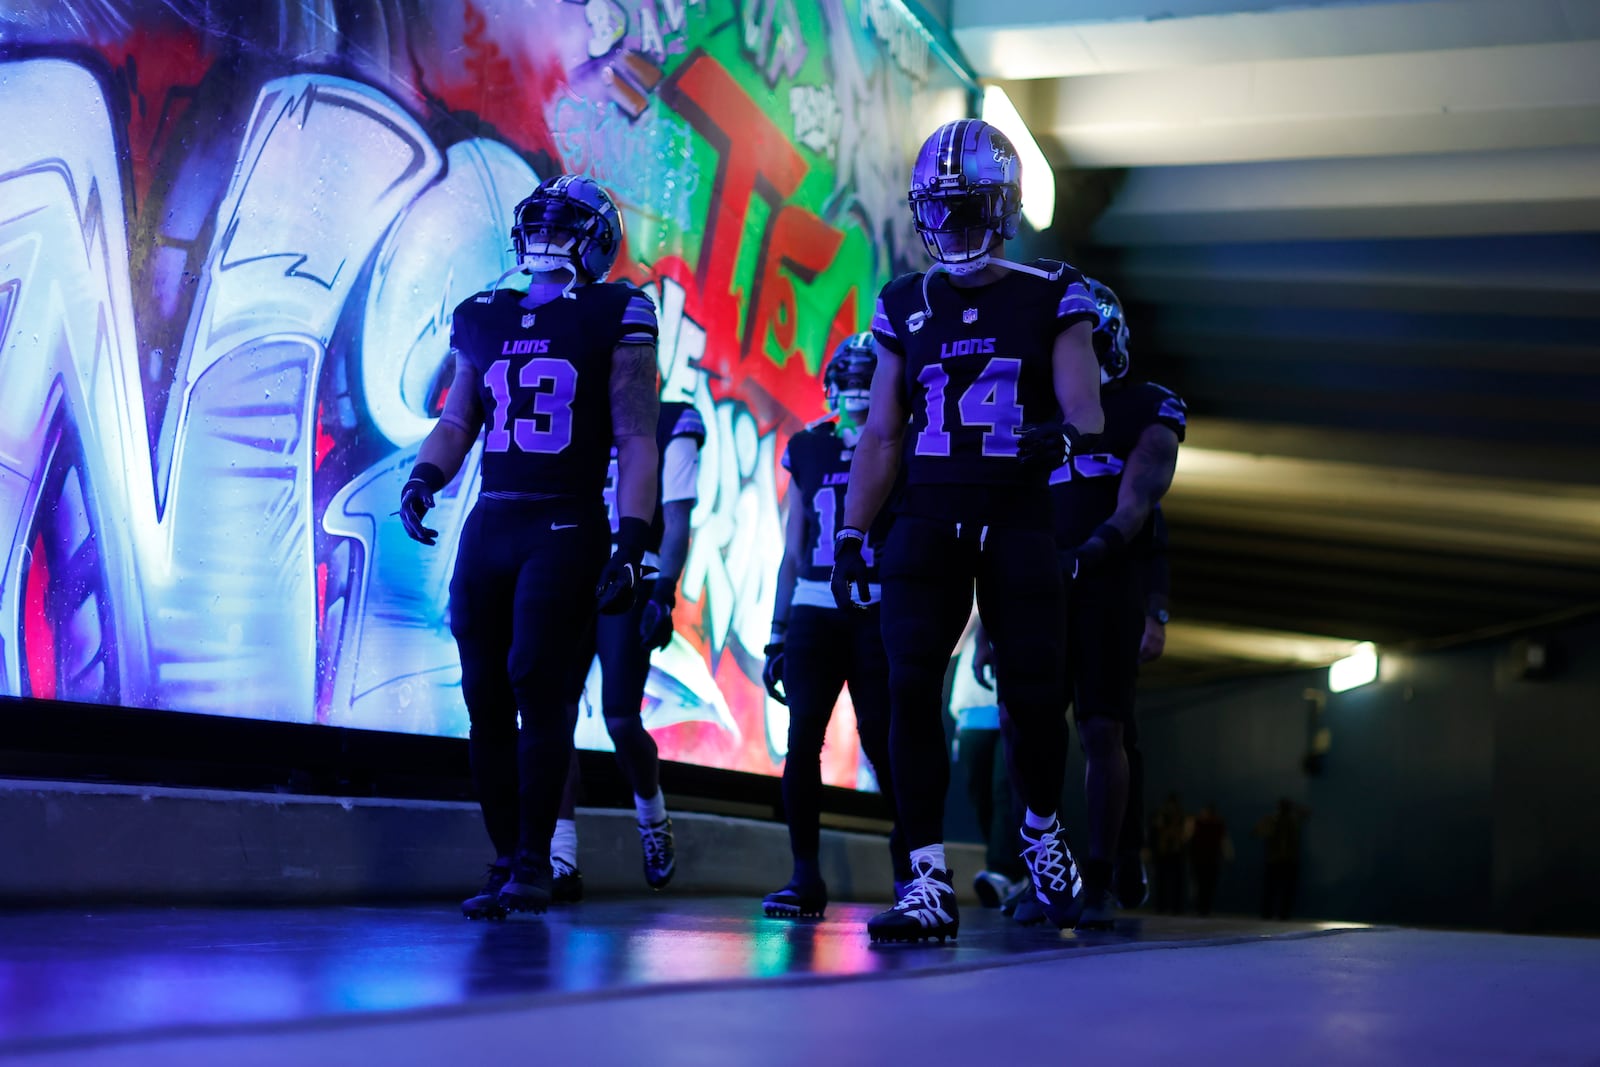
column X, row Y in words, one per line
column 554, row 377
column 986, row 379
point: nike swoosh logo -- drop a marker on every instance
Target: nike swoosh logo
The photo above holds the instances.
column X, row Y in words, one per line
column 563, row 526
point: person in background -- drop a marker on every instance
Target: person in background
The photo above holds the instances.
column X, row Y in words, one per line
column 1209, row 848
column 625, row 644
column 1169, row 837
column 1280, row 831
column 1104, row 504
column 1129, row 880
column 817, row 648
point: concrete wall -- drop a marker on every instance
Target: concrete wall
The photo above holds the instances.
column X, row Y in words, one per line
column 1452, row 793
column 66, row 843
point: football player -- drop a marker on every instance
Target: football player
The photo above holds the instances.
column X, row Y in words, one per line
column 816, row 649
column 986, row 381
column 556, row 377
column 1105, row 503
column 625, row 642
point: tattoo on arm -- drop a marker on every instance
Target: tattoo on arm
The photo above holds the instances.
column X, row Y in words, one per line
column 1146, row 478
column 635, row 405
column 1157, row 460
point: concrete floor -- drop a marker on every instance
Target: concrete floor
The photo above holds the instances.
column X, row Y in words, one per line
column 680, row 980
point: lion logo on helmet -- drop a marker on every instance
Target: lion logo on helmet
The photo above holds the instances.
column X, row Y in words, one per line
column 1000, row 144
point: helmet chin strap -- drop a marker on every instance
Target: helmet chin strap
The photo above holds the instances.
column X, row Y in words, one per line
column 549, row 263
column 973, row 266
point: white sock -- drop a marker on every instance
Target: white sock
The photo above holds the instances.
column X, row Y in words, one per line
column 650, row 810
column 934, row 854
column 564, row 842
column 1039, row 822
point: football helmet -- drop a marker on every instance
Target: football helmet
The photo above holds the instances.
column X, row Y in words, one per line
column 567, row 223
column 966, row 193
column 848, row 375
column 1110, row 332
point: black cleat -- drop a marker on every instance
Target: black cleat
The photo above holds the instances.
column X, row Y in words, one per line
column 660, row 854
column 485, row 904
column 926, row 910
column 1130, row 883
column 567, row 882
column 1024, row 891
column 1099, row 909
column 797, row 900
column 993, row 889
column 1056, row 881
column 530, row 886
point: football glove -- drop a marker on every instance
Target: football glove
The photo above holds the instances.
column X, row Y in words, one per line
column 655, row 623
column 1101, row 546
column 416, row 500
column 1044, row 446
column 772, row 672
column 850, row 568
column 983, row 660
column 620, row 576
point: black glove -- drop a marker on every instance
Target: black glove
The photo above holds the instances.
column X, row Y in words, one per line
column 850, row 568
column 620, row 576
column 416, row 499
column 655, row 624
column 772, row 672
column 983, row 660
column 1105, row 544
column 1044, row 446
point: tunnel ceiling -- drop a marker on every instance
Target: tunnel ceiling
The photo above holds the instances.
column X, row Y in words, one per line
column 1363, row 240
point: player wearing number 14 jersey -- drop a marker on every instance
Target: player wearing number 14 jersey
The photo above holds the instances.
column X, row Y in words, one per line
column 986, row 380
column 555, row 376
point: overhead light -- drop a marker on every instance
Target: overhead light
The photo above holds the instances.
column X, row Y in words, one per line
column 1358, row 668
column 1038, row 180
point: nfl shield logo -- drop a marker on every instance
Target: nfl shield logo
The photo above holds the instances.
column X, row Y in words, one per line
column 527, row 320
column 969, row 316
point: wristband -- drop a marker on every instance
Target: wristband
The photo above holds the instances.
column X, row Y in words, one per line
column 851, row 533
column 1075, row 439
column 430, row 476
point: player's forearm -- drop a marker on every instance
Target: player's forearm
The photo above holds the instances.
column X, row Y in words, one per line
column 1077, row 380
column 446, row 447
column 1085, row 415
column 1145, row 480
column 872, row 473
column 637, row 460
column 674, row 540
column 783, row 597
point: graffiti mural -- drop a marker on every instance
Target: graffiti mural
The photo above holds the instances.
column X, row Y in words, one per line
column 230, row 243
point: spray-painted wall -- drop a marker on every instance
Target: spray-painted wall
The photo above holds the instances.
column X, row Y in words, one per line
column 229, row 248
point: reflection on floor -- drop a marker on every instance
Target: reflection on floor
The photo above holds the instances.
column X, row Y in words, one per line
column 126, row 986
column 63, row 973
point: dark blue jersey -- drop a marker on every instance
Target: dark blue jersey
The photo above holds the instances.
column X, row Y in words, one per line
column 818, row 462
column 981, row 366
column 1084, row 490
column 676, row 420
column 543, row 379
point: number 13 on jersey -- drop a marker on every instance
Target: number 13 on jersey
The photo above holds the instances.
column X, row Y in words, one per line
column 554, row 384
